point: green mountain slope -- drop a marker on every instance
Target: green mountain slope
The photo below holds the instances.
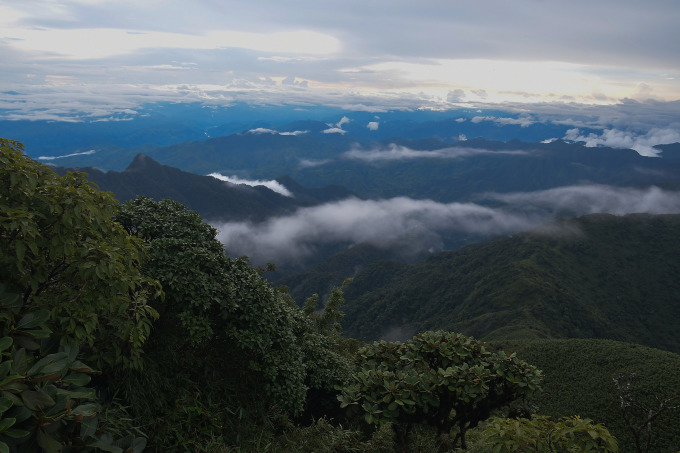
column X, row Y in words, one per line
column 578, row 379
column 598, row 276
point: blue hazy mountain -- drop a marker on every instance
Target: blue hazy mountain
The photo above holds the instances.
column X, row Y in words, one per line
column 215, row 200
column 167, row 123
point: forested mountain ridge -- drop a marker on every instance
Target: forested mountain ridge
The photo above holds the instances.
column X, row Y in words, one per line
column 212, row 198
column 598, row 276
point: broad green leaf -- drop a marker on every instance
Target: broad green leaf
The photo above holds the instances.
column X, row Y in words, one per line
column 19, row 363
column 77, row 379
column 86, row 410
column 5, row 342
column 34, row 399
column 5, row 404
column 17, row 433
column 33, row 319
column 6, row 423
column 49, row 364
column 5, row 368
column 48, row 443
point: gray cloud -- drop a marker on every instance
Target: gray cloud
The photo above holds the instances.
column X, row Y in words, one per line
column 636, row 47
column 420, row 224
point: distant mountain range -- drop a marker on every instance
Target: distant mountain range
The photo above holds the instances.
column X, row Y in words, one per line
column 165, row 123
column 598, row 276
column 215, row 200
column 426, row 168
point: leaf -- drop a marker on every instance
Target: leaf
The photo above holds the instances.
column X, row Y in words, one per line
column 5, row 404
column 36, row 399
column 5, row 342
column 3, row 447
column 86, row 410
column 47, row 442
column 19, row 363
column 138, row 445
column 17, row 433
column 49, row 364
column 21, row 250
column 33, row 319
column 27, row 343
column 77, row 379
column 7, row 423
column 80, row 367
column 5, row 368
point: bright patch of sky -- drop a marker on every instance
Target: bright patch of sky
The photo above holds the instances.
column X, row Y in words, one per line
column 385, row 54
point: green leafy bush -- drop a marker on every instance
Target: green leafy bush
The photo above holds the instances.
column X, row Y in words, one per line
column 62, row 251
column 440, row 378
column 540, row 434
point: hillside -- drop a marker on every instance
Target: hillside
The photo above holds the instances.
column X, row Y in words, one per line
column 593, row 364
column 598, row 276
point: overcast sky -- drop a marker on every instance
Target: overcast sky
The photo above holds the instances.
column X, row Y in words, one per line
column 366, row 54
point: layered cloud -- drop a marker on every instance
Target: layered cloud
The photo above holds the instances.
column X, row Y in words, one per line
column 420, row 225
column 270, row 184
column 399, row 152
column 642, row 143
column 329, row 55
column 522, row 121
column 262, row 130
column 50, row 158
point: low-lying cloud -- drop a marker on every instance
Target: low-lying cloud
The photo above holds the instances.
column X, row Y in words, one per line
column 337, row 127
column 593, row 198
column 262, row 130
column 84, row 153
column 421, row 225
column 398, row 152
column 615, row 138
column 270, row 184
column 503, row 121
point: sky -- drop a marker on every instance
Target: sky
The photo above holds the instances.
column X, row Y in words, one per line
column 99, row 56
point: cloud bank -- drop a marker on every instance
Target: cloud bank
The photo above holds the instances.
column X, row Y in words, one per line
column 614, row 138
column 420, row 225
column 262, row 130
column 270, row 184
column 399, row 152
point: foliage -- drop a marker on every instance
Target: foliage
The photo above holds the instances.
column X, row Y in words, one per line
column 540, row 434
column 238, row 346
column 638, row 416
column 61, row 250
column 592, row 364
column 439, row 378
column 70, row 288
column 46, row 401
column 598, row 276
